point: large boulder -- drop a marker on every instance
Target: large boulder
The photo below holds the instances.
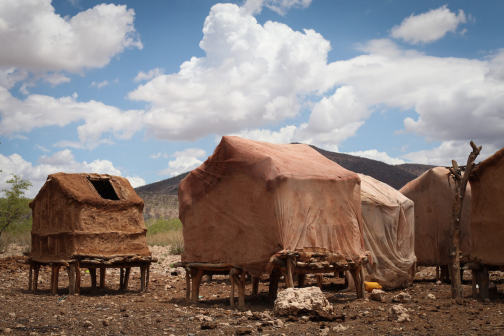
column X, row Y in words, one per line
column 295, row 301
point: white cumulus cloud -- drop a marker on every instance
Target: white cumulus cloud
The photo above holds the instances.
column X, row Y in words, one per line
column 185, row 161
column 62, row 161
column 142, row 76
column 428, row 27
column 379, row 156
column 40, row 111
column 34, row 38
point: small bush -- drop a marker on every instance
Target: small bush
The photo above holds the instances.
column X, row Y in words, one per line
column 166, row 232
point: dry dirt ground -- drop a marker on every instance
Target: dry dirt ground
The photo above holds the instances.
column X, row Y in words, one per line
column 163, row 310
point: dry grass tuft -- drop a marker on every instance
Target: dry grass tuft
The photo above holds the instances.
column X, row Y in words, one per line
column 173, row 238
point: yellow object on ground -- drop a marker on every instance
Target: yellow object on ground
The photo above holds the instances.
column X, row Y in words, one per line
column 371, row 285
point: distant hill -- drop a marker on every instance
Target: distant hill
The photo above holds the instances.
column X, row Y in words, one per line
column 161, row 197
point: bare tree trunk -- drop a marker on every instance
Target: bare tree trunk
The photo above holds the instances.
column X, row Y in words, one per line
column 460, row 190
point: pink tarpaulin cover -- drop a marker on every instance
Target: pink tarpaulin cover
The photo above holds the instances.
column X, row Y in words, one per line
column 251, row 200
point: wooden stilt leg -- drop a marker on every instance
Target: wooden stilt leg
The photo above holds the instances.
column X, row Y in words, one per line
column 437, row 273
column 142, row 278
column 474, row 282
column 103, row 271
column 273, row 285
column 126, row 278
column 188, row 284
column 92, row 273
column 485, row 283
column 77, row 277
column 147, row 277
column 301, row 280
column 30, row 277
column 36, row 270
column 241, row 290
column 121, row 279
column 358, row 280
column 195, row 286
column 71, row 279
column 255, row 286
column 362, row 285
column 232, row 294
column 289, row 282
column 54, row 279
column 319, row 280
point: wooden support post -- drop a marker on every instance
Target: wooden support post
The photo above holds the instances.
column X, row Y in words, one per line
column 30, row 277
column 319, row 280
column 147, row 277
column 301, row 280
column 188, row 283
column 196, row 285
column 484, row 285
column 54, row 279
column 71, row 279
column 437, row 273
column 289, row 282
column 232, row 294
column 255, row 286
column 121, row 279
column 474, row 283
column 458, row 201
column 103, row 272
column 445, row 274
column 126, row 278
column 241, row 290
column 273, row 285
column 77, row 277
column 92, row 273
column 358, row 278
column 36, row 270
column 142, row 278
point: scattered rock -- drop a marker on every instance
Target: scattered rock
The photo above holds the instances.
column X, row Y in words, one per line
column 438, row 282
column 106, row 323
column 377, row 295
column 244, row 331
column 87, row 324
column 292, row 301
column 7, row 330
column 278, row 323
column 339, row 328
column 402, row 298
column 208, row 325
column 398, row 313
column 12, row 315
column 431, row 297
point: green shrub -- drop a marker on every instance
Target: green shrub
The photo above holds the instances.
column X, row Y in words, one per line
column 160, row 225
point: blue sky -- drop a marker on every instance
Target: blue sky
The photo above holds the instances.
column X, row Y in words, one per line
column 146, row 89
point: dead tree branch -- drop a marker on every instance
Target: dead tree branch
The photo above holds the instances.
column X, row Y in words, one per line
column 460, row 191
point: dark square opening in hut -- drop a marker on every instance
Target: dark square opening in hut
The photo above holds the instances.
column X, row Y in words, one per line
column 105, row 189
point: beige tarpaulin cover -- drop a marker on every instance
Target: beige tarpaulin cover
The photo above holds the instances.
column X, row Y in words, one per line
column 389, row 233
column 70, row 219
column 433, row 194
column 487, row 214
column 251, row 200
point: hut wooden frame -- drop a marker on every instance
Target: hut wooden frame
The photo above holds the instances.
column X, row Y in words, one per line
column 287, row 265
column 92, row 263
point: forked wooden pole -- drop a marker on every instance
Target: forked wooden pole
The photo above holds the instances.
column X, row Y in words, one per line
column 460, row 191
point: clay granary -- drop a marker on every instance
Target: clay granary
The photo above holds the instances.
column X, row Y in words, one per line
column 88, row 221
column 261, row 208
column 487, row 221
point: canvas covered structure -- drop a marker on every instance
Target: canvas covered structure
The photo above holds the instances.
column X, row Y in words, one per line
column 251, row 201
column 87, row 215
column 433, row 194
column 389, row 233
column 487, row 213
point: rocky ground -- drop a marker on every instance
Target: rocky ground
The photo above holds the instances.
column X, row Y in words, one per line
column 163, row 310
